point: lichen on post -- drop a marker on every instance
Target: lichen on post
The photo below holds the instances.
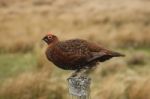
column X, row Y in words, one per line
column 79, row 87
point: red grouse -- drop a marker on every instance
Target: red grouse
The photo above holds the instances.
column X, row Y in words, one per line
column 76, row 54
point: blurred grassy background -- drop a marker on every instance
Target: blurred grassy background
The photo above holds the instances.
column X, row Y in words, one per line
column 121, row 25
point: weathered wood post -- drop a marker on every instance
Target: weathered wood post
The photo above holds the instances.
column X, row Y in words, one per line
column 79, row 87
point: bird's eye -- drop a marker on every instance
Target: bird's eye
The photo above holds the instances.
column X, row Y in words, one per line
column 49, row 37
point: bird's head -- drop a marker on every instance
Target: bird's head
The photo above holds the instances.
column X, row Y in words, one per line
column 50, row 38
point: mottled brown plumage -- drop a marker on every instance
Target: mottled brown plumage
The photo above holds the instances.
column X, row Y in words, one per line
column 76, row 54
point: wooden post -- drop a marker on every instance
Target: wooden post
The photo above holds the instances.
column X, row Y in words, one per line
column 79, row 87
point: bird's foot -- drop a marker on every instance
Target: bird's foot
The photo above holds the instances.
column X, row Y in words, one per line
column 75, row 74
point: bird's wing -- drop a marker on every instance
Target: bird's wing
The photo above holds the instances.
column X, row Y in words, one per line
column 99, row 56
column 100, row 53
column 73, row 51
column 75, row 46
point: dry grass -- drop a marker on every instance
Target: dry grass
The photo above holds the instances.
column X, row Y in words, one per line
column 31, row 86
column 138, row 58
column 139, row 89
column 120, row 87
column 124, row 24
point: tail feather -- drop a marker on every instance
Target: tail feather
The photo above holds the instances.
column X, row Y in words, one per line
column 116, row 54
column 103, row 56
column 109, row 56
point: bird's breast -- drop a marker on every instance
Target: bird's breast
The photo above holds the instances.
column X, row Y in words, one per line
column 60, row 59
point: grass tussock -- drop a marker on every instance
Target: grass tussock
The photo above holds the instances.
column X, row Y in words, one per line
column 119, row 87
column 138, row 58
column 31, row 86
column 139, row 89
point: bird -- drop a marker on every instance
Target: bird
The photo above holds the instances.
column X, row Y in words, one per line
column 76, row 54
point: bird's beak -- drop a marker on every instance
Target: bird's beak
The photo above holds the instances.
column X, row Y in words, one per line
column 45, row 40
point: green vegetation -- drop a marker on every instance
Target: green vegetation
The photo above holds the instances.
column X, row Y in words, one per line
column 14, row 64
